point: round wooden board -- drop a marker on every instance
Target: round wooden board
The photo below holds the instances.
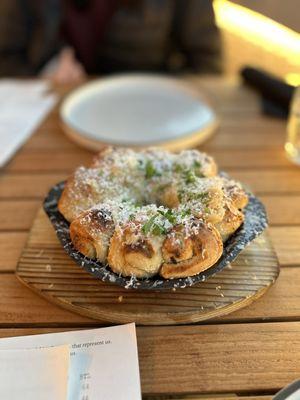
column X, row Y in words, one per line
column 48, row 270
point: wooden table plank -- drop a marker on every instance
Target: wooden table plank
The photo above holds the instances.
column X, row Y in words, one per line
column 283, row 209
column 19, row 306
column 227, row 358
column 42, row 161
column 214, row 358
column 11, row 245
column 278, row 181
column 28, row 185
column 51, row 139
column 286, row 241
column 247, row 158
column 17, row 214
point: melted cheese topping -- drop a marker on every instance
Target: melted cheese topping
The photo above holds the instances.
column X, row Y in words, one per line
column 151, row 191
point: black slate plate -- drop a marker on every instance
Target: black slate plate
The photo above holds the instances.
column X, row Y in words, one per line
column 255, row 223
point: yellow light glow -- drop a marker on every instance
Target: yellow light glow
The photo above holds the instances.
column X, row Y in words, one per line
column 292, row 79
column 258, row 29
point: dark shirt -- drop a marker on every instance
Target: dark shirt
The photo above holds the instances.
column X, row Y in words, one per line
column 110, row 35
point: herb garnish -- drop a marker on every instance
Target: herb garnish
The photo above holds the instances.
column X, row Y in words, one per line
column 150, row 170
column 168, row 215
column 146, row 228
column 189, row 176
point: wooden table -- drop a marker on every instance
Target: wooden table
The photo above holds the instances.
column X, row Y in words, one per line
column 253, row 352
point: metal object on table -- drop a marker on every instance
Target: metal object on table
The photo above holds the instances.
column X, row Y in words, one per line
column 292, row 145
column 290, row 392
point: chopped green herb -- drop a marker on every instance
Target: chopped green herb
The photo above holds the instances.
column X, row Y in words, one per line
column 168, row 215
column 202, row 196
column 180, row 194
column 184, row 213
column 178, row 168
column 199, row 174
column 197, row 164
column 158, row 230
column 153, row 227
column 190, row 177
column 146, row 228
column 150, row 170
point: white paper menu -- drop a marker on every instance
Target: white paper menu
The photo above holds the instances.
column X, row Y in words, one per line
column 103, row 362
column 24, row 103
column 22, row 373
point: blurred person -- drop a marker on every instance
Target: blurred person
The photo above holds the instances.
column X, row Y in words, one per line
column 66, row 39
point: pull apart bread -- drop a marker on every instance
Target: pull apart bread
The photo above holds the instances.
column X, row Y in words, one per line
column 152, row 212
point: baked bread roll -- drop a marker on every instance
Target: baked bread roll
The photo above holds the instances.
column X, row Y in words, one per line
column 152, row 212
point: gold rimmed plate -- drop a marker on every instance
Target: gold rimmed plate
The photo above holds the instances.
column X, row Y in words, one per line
column 137, row 110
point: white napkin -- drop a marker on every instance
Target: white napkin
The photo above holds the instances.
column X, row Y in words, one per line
column 24, row 103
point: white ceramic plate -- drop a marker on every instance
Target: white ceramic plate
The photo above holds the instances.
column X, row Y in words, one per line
column 138, row 111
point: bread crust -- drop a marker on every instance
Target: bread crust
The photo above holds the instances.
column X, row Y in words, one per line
column 192, row 255
column 130, row 256
column 184, row 186
column 91, row 232
column 233, row 219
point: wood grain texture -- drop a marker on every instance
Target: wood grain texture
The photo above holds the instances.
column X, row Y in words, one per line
column 17, row 214
column 22, row 186
column 231, row 137
column 11, row 245
column 282, row 209
column 276, row 182
column 286, row 241
column 46, row 269
column 245, row 357
column 42, row 161
column 22, row 306
column 213, row 358
column 247, row 158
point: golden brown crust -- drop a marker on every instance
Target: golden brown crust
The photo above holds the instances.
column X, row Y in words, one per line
column 188, row 257
column 90, row 233
column 129, row 256
column 232, row 220
column 198, row 210
column 77, row 196
column 235, row 193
